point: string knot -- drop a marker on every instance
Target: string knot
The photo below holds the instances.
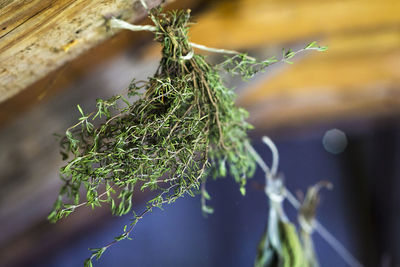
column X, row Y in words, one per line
column 307, row 225
column 188, row 55
column 275, row 189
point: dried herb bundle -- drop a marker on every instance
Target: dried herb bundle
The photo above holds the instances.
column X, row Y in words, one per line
column 184, row 128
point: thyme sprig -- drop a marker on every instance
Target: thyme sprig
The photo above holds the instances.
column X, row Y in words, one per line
column 184, row 128
column 246, row 66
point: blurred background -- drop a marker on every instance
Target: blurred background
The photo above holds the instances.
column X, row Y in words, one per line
column 334, row 116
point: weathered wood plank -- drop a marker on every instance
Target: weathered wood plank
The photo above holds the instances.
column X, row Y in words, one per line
column 36, row 37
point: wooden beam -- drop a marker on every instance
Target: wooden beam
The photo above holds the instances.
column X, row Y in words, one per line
column 37, row 37
column 358, row 76
column 243, row 24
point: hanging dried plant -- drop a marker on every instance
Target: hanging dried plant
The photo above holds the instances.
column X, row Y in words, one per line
column 184, row 128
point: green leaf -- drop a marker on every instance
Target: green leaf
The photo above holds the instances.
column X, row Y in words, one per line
column 289, row 54
column 310, row 45
column 206, row 195
column 243, row 191
column 88, row 263
column 120, row 237
column 322, row 48
column 293, row 255
column 222, row 168
column 98, row 252
column 80, row 110
column 52, row 216
column 314, row 45
column 207, row 209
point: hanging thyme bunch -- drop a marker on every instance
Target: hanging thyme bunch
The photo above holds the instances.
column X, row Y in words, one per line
column 184, row 127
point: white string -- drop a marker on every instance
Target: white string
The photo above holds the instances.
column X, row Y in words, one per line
column 215, row 50
column 121, row 24
column 319, row 228
column 275, row 154
column 275, row 190
column 188, row 56
column 339, row 248
column 143, row 2
column 257, row 157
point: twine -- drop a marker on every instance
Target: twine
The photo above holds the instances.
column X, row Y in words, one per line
column 121, row 24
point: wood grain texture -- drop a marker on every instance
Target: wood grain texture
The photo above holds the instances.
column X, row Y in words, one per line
column 36, row 37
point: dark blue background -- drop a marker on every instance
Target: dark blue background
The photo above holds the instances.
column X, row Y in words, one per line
column 180, row 236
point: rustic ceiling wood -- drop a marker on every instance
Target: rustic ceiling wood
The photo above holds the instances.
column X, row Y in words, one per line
column 37, row 37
